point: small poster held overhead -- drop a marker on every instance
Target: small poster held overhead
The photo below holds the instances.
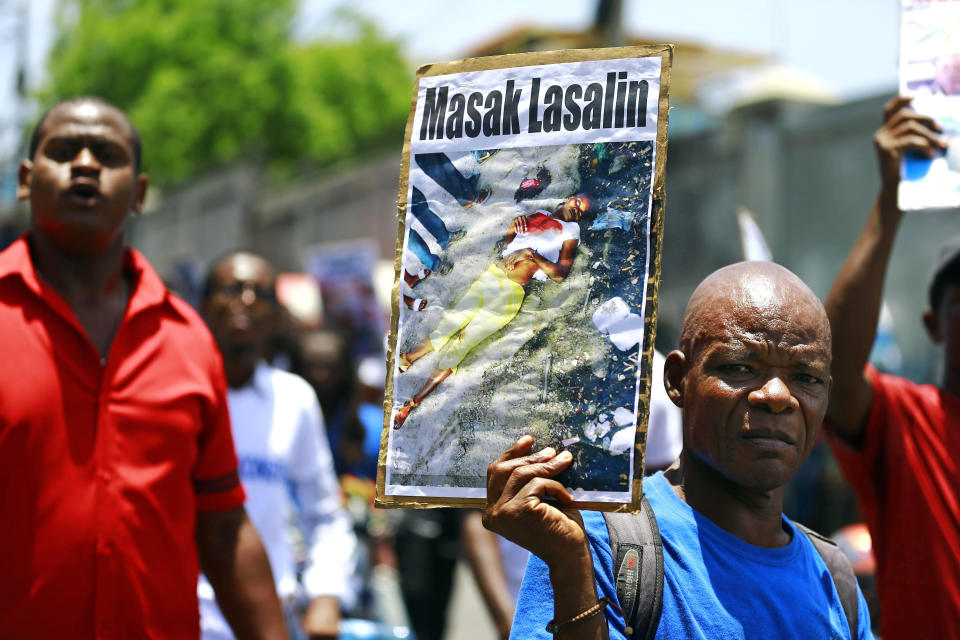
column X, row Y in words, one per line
column 528, row 264
column 930, row 73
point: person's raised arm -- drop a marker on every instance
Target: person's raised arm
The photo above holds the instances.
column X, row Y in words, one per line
column 233, row 558
column 853, row 304
column 517, row 483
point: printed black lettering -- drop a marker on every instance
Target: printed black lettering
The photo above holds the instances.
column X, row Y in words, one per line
column 593, row 111
column 491, row 119
column 533, row 123
column 621, row 98
column 608, row 100
column 455, row 120
column 632, row 104
column 553, row 111
column 640, row 104
column 434, row 108
column 571, row 121
column 511, row 109
column 472, row 127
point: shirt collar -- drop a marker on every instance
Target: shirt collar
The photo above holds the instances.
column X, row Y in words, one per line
column 260, row 380
column 148, row 289
column 16, row 261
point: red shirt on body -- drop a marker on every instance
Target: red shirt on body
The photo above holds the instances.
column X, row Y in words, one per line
column 907, row 479
column 104, row 465
column 540, row 221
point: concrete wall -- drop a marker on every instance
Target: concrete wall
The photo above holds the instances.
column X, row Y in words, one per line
column 236, row 208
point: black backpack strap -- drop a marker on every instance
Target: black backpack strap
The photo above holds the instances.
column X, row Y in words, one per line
column 842, row 573
column 638, row 568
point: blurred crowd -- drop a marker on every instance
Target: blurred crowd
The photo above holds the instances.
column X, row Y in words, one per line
column 403, row 576
column 280, row 478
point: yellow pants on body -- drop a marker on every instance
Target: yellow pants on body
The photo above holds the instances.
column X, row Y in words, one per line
column 491, row 302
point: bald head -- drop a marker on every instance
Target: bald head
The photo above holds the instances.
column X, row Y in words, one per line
column 763, row 297
column 752, row 375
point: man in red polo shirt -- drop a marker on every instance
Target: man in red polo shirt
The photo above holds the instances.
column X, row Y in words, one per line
column 898, row 442
column 117, row 468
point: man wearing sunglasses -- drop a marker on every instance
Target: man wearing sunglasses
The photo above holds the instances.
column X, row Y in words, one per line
column 285, row 460
column 538, row 246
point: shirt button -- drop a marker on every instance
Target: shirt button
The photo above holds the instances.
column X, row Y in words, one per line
column 105, row 475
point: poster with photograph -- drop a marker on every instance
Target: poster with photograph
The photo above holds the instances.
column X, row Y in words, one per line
column 528, row 263
column 930, row 73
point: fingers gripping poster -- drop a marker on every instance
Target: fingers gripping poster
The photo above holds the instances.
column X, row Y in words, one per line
column 531, row 205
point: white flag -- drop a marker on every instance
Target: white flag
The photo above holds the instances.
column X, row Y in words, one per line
column 754, row 245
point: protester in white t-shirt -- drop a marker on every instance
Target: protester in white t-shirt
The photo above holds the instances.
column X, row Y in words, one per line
column 284, row 459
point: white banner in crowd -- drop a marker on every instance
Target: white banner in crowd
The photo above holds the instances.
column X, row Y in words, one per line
column 752, row 242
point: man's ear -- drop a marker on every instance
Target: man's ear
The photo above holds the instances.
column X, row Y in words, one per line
column 674, row 373
column 933, row 327
column 141, row 193
column 23, row 180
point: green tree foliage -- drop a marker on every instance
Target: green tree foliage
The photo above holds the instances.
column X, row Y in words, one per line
column 211, row 81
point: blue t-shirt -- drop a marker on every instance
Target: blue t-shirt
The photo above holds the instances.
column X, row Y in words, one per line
column 715, row 584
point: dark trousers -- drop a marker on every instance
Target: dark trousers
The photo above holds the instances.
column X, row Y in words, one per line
column 427, row 545
column 439, row 167
column 430, row 221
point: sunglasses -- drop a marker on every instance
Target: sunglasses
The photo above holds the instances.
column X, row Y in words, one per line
column 236, row 289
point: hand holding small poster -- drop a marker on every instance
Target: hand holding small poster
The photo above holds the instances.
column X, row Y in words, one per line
column 531, row 199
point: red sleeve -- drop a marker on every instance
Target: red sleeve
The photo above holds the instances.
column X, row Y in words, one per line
column 216, row 481
column 863, row 467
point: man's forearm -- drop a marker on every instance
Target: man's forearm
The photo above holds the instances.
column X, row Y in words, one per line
column 854, row 301
column 853, row 306
column 235, row 562
column 517, row 483
column 575, row 591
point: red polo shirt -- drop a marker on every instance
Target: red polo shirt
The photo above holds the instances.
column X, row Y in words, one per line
column 907, row 479
column 104, row 465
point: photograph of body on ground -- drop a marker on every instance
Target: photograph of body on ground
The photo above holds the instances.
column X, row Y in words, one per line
column 524, row 277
